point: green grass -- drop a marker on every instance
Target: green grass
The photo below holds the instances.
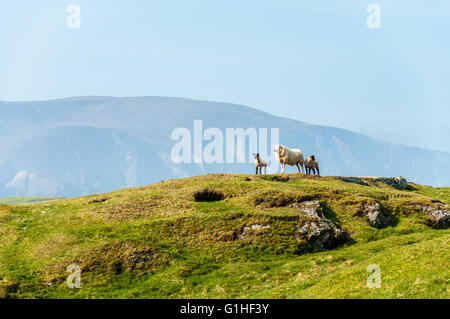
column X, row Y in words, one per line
column 27, row 200
column 190, row 249
column 442, row 193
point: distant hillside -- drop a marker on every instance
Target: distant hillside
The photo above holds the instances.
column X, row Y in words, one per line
column 26, row 200
column 232, row 236
column 85, row 145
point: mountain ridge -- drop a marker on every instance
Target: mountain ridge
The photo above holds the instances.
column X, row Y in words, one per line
column 99, row 97
column 146, row 124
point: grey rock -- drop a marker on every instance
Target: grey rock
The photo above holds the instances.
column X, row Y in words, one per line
column 440, row 218
column 422, row 208
column 321, row 233
column 375, row 216
column 396, row 182
column 318, row 230
column 257, row 226
column 302, row 230
column 311, row 208
column 438, row 215
column 354, row 180
column 252, row 227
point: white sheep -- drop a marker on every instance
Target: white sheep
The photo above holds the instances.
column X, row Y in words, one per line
column 259, row 163
column 288, row 156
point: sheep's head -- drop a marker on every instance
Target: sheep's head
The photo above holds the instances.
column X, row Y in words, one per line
column 279, row 149
column 256, row 155
column 276, row 148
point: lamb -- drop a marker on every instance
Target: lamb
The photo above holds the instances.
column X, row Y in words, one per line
column 312, row 164
column 288, row 156
column 259, row 163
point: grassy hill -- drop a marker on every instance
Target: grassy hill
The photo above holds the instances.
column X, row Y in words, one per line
column 226, row 236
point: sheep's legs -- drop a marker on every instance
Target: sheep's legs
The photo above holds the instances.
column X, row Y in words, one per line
column 282, row 168
column 256, row 170
column 318, row 173
column 296, row 164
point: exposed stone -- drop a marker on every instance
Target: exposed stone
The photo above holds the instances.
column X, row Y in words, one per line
column 396, row 182
column 374, row 215
column 349, row 179
column 311, row 208
column 257, row 226
column 439, row 219
column 321, row 233
column 318, row 230
column 420, row 208
column 252, row 227
column 438, row 215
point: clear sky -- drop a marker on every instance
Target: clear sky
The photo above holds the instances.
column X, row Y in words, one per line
column 311, row 60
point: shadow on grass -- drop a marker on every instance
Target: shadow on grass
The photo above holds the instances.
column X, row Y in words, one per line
column 275, row 178
column 329, row 214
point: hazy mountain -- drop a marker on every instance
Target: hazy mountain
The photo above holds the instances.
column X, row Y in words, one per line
column 84, row 145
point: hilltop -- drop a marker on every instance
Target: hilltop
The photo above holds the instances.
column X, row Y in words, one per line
column 88, row 145
column 232, row 236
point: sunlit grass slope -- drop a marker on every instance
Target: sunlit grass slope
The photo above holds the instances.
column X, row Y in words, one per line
column 158, row 241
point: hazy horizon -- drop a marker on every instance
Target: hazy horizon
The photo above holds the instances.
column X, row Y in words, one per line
column 315, row 61
column 187, row 98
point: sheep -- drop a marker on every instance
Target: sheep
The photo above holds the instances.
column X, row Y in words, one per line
column 290, row 157
column 312, row 164
column 259, row 163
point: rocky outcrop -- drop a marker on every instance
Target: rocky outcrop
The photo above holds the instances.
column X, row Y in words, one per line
column 311, row 208
column 248, row 229
column 397, row 182
column 321, row 233
column 374, row 214
column 439, row 218
column 438, row 215
column 354, row 180
column 318, row 230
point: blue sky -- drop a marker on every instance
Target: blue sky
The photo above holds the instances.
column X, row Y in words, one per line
column 313, row 60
